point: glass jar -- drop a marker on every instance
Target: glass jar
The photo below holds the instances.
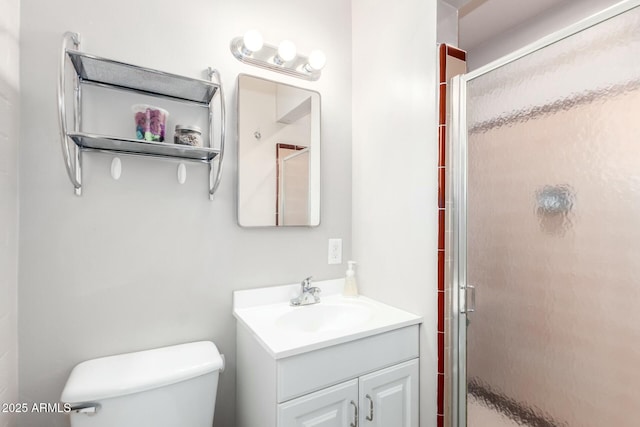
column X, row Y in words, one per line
column 188, row 135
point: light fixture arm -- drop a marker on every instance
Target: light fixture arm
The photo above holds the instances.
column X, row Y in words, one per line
column 266, row 58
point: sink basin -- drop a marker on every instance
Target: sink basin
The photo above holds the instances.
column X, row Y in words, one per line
column 324, row 317
column 286, row 331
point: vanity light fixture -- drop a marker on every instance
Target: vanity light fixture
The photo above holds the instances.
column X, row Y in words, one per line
column 317, row 59
column 252, row 42
column 286, row 52
column 283, row 58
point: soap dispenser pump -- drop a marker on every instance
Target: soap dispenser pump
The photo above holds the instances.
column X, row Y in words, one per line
column 350, row 284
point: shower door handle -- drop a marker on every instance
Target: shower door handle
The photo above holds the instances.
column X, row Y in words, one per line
column 468, row 299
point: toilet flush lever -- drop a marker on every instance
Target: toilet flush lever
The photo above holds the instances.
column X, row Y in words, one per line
column 88, row 408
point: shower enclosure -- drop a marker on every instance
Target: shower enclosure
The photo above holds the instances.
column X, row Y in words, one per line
column 293, row 176
column 545, row 224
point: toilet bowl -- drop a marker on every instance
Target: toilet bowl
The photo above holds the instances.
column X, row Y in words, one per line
column 165, row 387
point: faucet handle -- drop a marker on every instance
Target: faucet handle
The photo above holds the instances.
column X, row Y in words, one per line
column 306, row 283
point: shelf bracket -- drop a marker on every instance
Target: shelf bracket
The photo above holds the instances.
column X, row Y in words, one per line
column 73, row 167
column 215, row 174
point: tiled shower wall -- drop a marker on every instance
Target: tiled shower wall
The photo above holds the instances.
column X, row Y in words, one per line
column 9, row 88
column 452, row 63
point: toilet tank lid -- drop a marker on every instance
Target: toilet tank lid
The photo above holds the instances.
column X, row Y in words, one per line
column 129, row 373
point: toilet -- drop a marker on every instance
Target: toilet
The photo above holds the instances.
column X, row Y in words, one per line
column 165, row 387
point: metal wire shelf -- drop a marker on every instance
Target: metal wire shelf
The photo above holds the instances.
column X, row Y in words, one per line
column 103, row 72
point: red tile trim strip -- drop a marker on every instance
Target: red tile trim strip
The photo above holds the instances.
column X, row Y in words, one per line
column 440, row 273
column 442, row 133
column 440, row 394
column 440, row 319
column 441, row 232
column 441, row 353
column 441, row 188
column 457, row 53
column 443, row 51
column 443, row 99
column 442, row 55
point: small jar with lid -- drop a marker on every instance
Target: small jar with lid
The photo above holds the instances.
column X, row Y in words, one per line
column 188, row 135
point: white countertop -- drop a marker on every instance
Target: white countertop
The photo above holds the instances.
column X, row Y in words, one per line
column 286, row 331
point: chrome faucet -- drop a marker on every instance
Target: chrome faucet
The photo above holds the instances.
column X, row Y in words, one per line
column 308, row 294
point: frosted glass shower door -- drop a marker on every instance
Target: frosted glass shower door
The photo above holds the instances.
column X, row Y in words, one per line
column 553, row 234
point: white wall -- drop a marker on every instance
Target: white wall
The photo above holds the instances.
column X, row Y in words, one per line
column 395, row 166
column 9, row 130
column 447, row 31
column 144, row 262
column 543, row 24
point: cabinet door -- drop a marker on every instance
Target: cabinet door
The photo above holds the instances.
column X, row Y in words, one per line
column 331, row 407
column 389, row 397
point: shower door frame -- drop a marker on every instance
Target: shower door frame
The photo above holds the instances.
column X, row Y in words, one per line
column 458, row 245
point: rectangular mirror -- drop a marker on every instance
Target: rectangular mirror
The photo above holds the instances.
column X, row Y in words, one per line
column 278, row 154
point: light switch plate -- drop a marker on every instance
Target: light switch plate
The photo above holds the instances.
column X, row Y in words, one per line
column 335, row 251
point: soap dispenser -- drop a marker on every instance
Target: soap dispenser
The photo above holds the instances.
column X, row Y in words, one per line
column 350, row 284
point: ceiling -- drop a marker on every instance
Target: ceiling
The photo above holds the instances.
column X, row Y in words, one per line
column 481, row 20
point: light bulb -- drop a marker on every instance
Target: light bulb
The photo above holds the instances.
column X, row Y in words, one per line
column 317, row 59
column 252, row 41
column 286, row 50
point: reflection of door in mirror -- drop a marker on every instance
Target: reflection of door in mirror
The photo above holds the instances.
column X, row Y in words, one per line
column 278, row 154
column 292, row 207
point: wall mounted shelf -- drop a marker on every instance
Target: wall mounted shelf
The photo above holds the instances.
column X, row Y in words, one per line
column 106, row 72
column 102, row 72
column 113, row 144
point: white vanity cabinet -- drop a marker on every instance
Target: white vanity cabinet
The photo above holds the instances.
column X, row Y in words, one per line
column 390, row 397
column 375, row 376
column 332, row 407
column 343, row 362
column 385, row 398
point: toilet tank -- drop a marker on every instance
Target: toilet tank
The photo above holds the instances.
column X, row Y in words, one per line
column 165, row 387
